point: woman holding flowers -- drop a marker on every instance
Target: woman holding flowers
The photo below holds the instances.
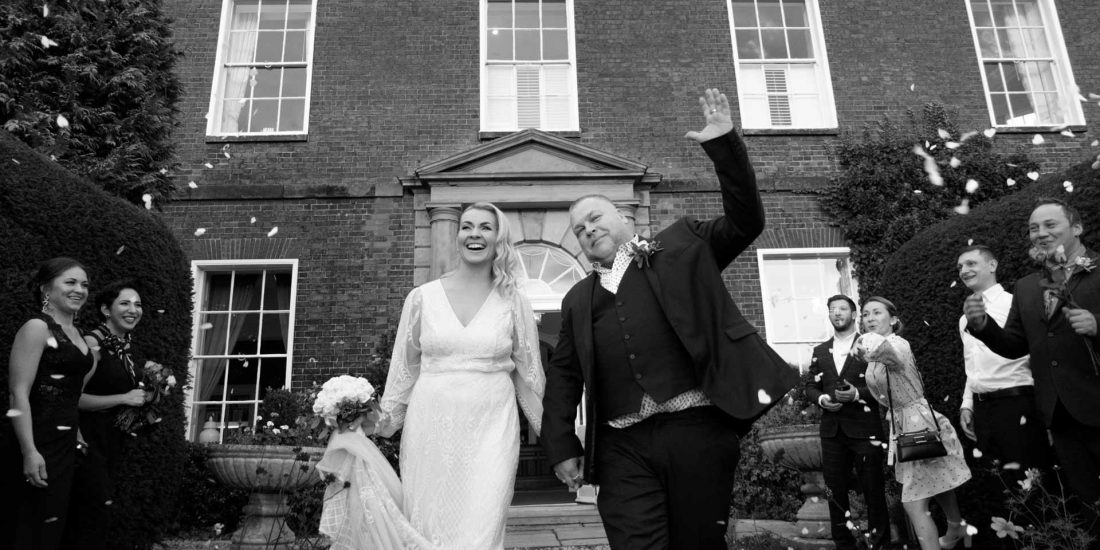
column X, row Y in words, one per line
column 893, row 378
column 466, row 352
column 49, row 359
column 111, row 387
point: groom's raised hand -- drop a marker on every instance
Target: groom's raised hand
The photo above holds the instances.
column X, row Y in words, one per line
column 974, row 309
column 716, row 112
column 569, row 472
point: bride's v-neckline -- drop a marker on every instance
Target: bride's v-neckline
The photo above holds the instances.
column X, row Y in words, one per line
column 454, row 313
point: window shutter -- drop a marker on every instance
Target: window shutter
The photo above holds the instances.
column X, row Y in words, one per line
column 779, row 103
column 528, row 92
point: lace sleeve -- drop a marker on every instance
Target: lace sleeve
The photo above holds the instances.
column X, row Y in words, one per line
column 528, row 376
column 404, row 367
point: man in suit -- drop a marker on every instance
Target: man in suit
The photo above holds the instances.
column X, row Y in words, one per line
column 1059, row 331
column 674, row 373
column 851, row 429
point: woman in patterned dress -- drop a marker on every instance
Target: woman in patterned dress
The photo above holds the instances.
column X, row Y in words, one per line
column 921, row 480
column 49, row 359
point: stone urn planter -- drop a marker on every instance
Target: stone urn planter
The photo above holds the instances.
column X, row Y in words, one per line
column 798, row 446
column 271, row 473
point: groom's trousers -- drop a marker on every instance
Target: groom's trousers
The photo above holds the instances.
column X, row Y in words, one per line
column 665, row 482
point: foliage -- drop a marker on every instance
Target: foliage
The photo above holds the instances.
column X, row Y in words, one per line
column 209, row 503
column 920, row 279
column 762, row 488
column 46, row 211
column 1039, row 517
column 105, row 66
column 883, row 196
column 285, row 419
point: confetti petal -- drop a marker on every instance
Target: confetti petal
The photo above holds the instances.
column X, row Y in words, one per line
column 1037, row 140
column 1095, row 143
column 763, row 397
column 952, row 145
column 64, row 428
column 52, row 342
column 912, row 87
column 57, row 376
column 1068, row 186
column 148, row 200
column 963, row 207
column 955, row 162
column 1033, row 176
column 46, row 42
column 200, row 231
column 1068, row 133
column 62, row 122
column 192, row 185
column 225, row 151
column 989, row 132
column 944, row 134
column 12, row 413
column 253, row 220
column 953, row 283
column 207, row 326
column 1012, row 466
column 163, row 171
column 273, row 231
column 968, row 135
column 1010, row 182
column 45, row 10
column 971, row 186
column 120, row 249
column 968, row 243
column 1023, row 420
column 208, row 165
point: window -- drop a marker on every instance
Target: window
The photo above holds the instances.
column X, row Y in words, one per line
column 795, row 284
column 244, row 327
column 261, row 84
column 782, row 72
column 528, row 69
column 1024, row 65
column 550, row 273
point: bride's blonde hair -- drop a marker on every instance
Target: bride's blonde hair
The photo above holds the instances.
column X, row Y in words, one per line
column 506, row 268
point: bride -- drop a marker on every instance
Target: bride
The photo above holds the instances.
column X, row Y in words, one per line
column 466, row 351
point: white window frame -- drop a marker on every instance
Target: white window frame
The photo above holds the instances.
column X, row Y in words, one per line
column 762, row 254
column 573, row 114
column 821, row 63
column 1063, row 71
column 199, row 268
column 214, row 113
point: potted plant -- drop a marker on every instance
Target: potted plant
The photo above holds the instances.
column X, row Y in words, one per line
column 791, row 435
column 274, row 458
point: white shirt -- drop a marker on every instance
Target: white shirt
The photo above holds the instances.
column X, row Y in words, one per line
column 610, row 278
column 986, row 371
column 841, row 348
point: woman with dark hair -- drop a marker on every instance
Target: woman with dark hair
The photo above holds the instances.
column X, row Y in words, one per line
column 886, row 354
column 112, row 385
column 49, row 360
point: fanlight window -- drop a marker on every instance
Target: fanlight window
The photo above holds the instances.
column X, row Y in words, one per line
column 550, row 272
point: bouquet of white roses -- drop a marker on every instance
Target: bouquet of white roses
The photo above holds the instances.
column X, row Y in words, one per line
column 343, row 399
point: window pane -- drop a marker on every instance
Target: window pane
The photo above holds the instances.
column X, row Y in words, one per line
column 294, row 82
column 234, row 114
column 246, row 289
column 806, row 111
column 269, row 47
column 1004, row 14
column 527, row 45
column 553, row 14
column 272, row 375
column 200, row 414
column 1021, row 105
column 274, row 333
column 292, row 115
column 527, row 14
column 1049, row 108
column 993, row 77
column 800, row 44
column 555, row 45
column 272, row 15
column 239, row 415
column 242, row 47
column 263, row 115
column 499, row 14
column 987, row 41
column 748, row 44
column 771, row 15
column 498, row 45
column 213, row 333
column 744, row 14
column 1000, row 108
column 752, row 79
column 775, row 44
column 242, row 379
column 295, row 47
column 244, row 332
column 981, row 14
column 1042, row 76
column 795, row 13
column 267, row 85
column 1012, row 43
column 298, row 14
column 1013, row 79
column 209, row 379
column 277, row 291
column 245, row 14
column 1037, row 42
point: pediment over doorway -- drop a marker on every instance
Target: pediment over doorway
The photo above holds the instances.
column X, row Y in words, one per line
column 532, row 167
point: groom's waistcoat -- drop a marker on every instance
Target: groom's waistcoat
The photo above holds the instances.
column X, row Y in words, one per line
column 636, row 349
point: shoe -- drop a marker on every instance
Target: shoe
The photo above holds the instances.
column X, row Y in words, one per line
column 955, row 533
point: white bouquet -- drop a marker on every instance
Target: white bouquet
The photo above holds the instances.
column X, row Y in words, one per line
column 343, row 399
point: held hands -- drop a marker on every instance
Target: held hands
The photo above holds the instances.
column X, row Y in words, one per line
column 966, row 419
column 716, row 111
column 826, row 402
column 974, row 310
column 1082, row 321
column 570, row 472
column 34, row 469
column 847, row 395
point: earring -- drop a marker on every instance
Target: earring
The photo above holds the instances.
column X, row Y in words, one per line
column 45, row 303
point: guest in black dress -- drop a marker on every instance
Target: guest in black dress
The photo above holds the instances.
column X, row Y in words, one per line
column 110, row 387
column 49, row 360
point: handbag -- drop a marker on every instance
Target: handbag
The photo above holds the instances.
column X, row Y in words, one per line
column 915, row 445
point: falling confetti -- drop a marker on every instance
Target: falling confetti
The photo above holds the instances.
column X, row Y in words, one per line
column 930, row 166
column 1010, row 182
column 1012, row 466
column 944, row 134
column 763, row 397
column 148, row 200
column 955, row 162
column 120, row 249
column 62, row 122
column 945, row 398
column 17, row 162
column 805, row 531
column 963, row 207
column 273, row 231
column 225, row 151
column 200, row 231
column 208, row 165
column 1068, row 133
column 989, row 132
column 108, row 502
column 52, row 342
column 64, row 428
column 851, row 526
column 192, row 185
column 1093, row 96
column 12, row 413
column 968, row 243
column 912, row 87
column 971, row 186
column 968, row 135
column 1033, row 176
column 953, row 283
column 163, row 171
column 207, row 326
column 952, row 145
column 1068, row 186
column 57, row 376
column 46, row 42
column 45, row 10
column 1095, row 142
column 1037, row 140
column 1023, row 420
column 51, row 519
column 253, row 220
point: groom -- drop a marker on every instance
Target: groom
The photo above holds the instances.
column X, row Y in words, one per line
column 674, row 373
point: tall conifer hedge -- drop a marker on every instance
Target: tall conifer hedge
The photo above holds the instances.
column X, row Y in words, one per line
column 46, row 211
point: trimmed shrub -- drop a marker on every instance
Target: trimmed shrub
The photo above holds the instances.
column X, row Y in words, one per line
column 921, row 279
column 46, row 211
column 883, row 196
column 108, row 72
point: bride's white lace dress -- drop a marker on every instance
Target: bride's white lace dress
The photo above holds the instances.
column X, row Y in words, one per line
column 454, row 389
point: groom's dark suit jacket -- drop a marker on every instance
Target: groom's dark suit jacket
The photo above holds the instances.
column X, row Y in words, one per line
column 1060, row 360
column 731, row 362
column 855, row 419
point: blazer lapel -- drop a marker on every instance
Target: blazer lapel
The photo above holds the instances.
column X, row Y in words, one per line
column 1079, row 274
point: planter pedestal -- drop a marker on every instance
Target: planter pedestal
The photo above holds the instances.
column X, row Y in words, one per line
column 798, row 446
column 271, row 472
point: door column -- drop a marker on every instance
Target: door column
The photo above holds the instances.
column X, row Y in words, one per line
column 444, row 228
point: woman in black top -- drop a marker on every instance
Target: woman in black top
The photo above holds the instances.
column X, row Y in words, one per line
column 49, row 359
column 109, row 388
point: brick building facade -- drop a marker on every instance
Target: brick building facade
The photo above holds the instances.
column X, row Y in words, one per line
column 409, row 117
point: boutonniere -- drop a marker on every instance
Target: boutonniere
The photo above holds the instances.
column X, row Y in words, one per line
column 642, row 250
column 1085, row 263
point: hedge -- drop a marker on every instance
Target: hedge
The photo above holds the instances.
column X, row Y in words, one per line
column 46, row 211
column 922, row 280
